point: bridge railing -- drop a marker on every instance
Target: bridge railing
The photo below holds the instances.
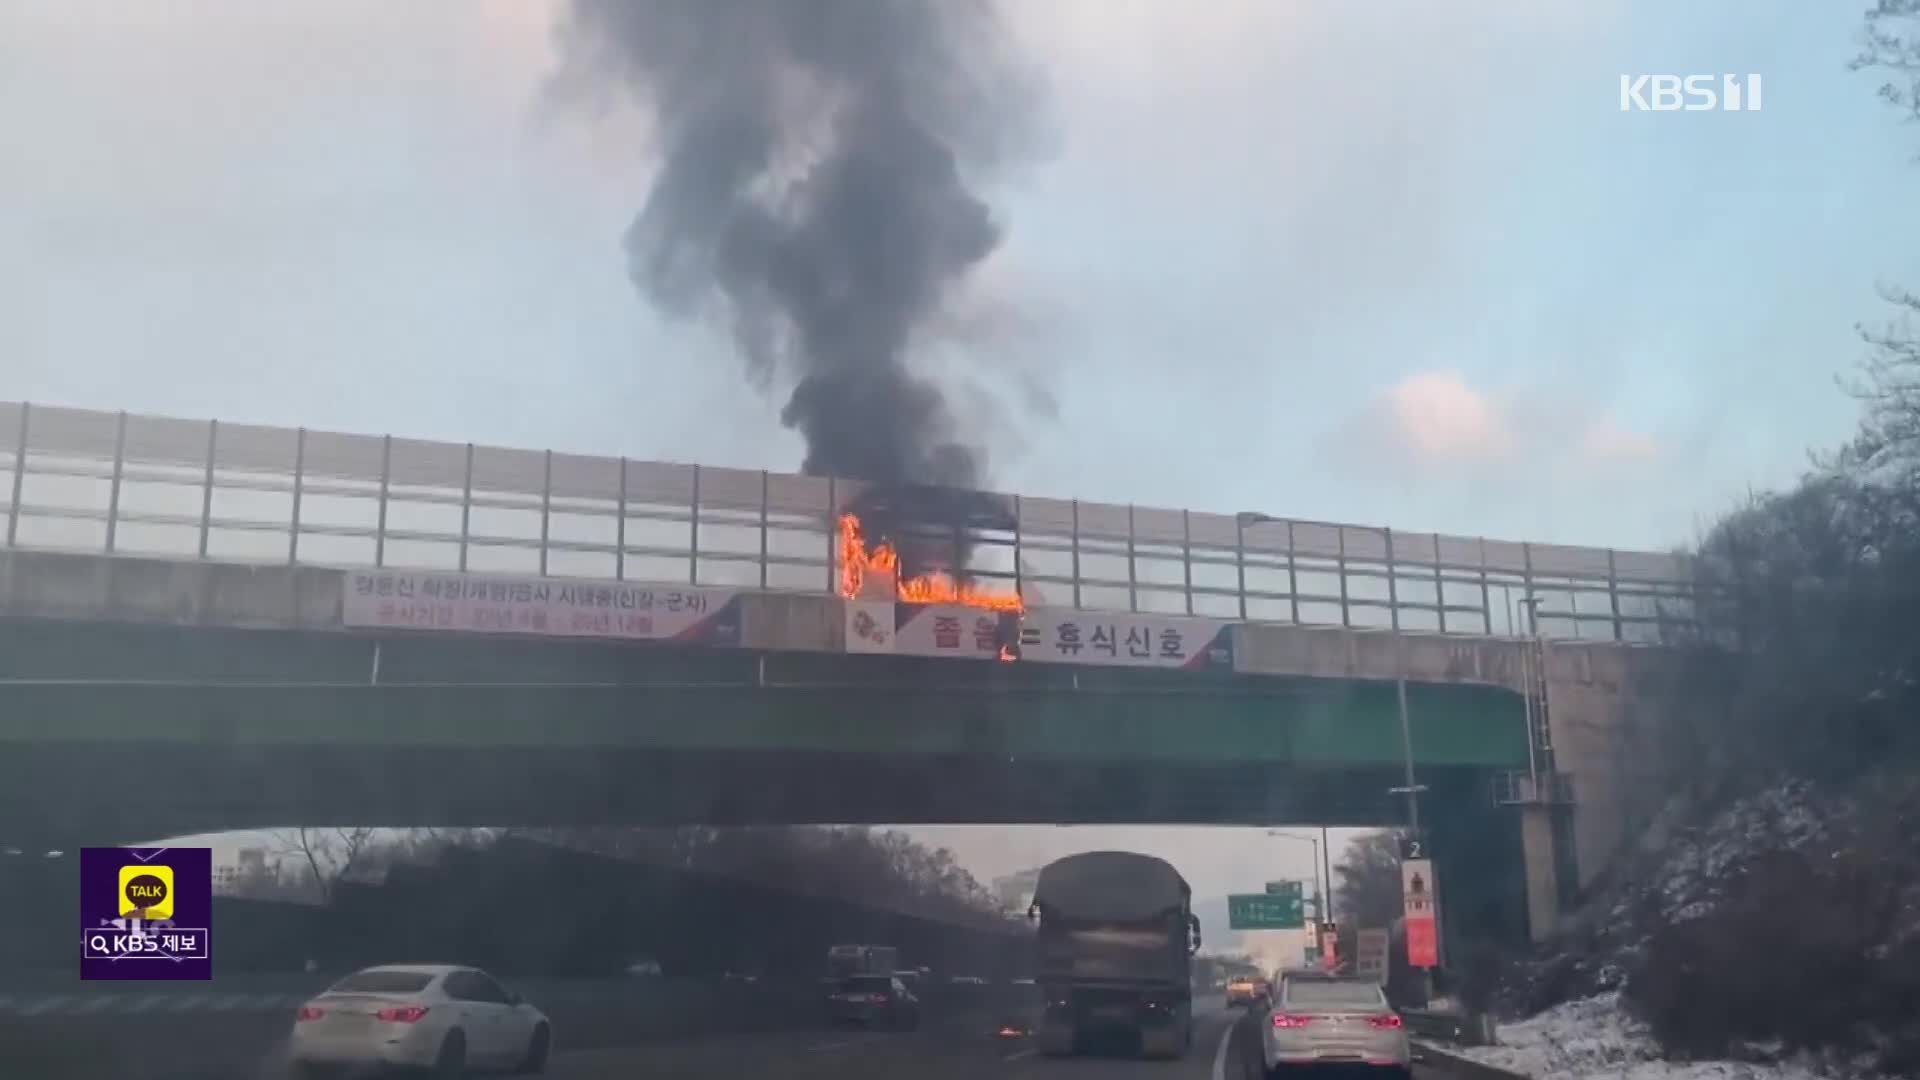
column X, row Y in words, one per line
column 123, row 483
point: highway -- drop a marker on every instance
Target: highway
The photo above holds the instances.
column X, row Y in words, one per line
column 955, row 1047
column 955, row 1050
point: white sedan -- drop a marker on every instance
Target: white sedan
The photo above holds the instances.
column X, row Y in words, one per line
column 441, row 1016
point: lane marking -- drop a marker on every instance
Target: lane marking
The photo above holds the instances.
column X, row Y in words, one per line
column 843, row 1043
column 1018, row 1054
column 1220, row 1055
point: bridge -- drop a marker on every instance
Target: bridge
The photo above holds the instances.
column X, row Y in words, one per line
column 212, row 625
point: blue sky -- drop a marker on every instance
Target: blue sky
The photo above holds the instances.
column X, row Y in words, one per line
column 1386, row 263
column 1379, row 263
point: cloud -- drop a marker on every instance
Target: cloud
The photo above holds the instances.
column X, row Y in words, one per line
column 1436, row 423
column 1607, row 441
column 1437, row 415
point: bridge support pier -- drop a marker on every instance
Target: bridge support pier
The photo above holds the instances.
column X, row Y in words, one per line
column 1537, row 847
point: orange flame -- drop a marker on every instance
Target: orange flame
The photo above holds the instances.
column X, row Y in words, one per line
column 856, row 562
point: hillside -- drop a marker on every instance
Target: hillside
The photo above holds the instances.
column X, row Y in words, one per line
column 1783, row 934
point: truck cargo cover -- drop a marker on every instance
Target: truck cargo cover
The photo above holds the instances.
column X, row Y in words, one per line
column 1116, row 886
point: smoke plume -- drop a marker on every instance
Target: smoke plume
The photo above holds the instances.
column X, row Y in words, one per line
column 814, row 191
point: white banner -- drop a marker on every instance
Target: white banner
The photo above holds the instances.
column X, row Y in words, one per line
column 548, row 607
column 948, row 630
column 951, row 630
column 1371, row 950
column 1068, row 636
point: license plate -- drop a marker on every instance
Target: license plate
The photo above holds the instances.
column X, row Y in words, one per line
column 1113, row 1012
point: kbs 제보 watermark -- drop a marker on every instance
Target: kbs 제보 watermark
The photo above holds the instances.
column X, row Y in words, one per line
column 146, row 913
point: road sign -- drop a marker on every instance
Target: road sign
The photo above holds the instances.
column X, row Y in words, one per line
column 1370, row 951
column 1260, row 911
column 1417, row 888
column 1413, row 845
column 1330, row 944
column 1284, row 888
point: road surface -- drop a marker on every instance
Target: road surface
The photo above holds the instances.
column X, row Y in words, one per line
column 1222, row 1050
column 228, row 1046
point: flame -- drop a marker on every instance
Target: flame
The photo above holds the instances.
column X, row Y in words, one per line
column 856, row 562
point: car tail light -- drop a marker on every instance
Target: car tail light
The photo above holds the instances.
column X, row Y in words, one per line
column 1291, row 1020
column 404, row 1014
column 310, row 1012
column 1391, row 1020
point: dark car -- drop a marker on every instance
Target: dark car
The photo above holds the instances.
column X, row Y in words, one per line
column 873, row 1000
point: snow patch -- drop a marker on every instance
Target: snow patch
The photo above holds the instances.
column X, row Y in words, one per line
column 1594, row 1038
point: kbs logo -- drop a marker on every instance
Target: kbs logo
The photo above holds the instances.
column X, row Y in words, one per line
column 1689, row 93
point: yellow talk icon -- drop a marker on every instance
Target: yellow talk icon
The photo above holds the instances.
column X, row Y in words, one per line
column 146, row 892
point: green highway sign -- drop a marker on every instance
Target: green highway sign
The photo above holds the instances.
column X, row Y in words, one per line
column 1263, row 911
column 1284, row 888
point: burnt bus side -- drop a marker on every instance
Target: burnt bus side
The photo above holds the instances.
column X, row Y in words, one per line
column 1114, row 952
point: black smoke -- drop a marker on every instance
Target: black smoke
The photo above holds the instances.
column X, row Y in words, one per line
column 815, row 190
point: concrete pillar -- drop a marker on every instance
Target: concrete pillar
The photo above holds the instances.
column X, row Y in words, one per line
column 1542, row 870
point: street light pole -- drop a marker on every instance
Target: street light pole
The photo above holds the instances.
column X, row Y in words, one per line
column 1326, row 866
column 1318, row 894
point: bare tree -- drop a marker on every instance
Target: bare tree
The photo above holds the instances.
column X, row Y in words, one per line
column 329, row 854
column 1892, row 45
column 1367, row 888
column 878, row 868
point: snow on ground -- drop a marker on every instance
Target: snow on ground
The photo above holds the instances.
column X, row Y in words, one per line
column 1593, row 1038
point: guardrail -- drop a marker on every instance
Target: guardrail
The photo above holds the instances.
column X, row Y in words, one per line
column 111, row 483
column 1461, row 1029
column 1455, row 1064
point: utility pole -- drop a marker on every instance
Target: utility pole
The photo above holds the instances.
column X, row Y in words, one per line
column 1326, row 868
column 1413, row 788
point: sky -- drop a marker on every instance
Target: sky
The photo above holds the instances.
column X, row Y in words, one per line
column 1383, row 263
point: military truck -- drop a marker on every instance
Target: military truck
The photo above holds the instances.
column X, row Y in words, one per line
column 1115, row 942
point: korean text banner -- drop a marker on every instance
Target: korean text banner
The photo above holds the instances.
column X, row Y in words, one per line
column 146, row 913
column 967, row 633
column 1067, row 636
column 550, row 607
column 948, row 630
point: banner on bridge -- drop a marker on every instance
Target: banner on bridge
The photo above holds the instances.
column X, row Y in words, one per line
column 1040, row 635
column 549, row 607
column 949, row 630
column 1137, row 639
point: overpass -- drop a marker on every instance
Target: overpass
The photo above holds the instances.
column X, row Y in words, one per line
column 210, row 625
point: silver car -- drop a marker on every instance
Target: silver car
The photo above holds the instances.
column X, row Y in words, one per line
column 1334, row 1020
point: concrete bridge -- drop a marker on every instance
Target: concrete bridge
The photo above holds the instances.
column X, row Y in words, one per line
column 209, row 626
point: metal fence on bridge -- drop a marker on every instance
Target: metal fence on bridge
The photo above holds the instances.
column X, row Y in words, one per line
column 121, row 483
